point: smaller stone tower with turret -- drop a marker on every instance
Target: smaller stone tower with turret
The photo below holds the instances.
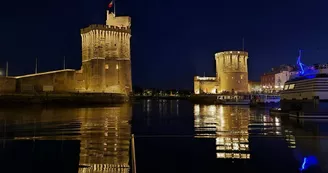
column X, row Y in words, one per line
column 106, row 59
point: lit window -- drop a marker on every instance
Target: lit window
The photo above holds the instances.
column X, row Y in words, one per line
column 291, row 86
column 106, row 67
column 286, row 87
column 241, row 76
column 116, row 66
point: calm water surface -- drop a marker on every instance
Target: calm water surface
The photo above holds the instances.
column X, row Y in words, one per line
column 170, row 136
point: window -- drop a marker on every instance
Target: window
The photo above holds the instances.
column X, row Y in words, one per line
column 291, row 86
column 286, row 87
column 241, row 76
column 106, row 67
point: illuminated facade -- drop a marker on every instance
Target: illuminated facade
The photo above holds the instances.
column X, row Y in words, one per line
column 231, row 74
column 274, row 80
column 227, row 125
column 205, row 85
column 106, row 63
column 106, row 59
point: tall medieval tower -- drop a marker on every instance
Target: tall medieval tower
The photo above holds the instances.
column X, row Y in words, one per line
column 106, row 56
column 232, row 71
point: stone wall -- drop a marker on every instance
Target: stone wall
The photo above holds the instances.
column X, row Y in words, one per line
column 61, row 81
column 7, row 84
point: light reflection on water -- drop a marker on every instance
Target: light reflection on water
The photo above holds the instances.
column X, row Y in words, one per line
column 104, row 133
column 232, row 125
column 229, row 127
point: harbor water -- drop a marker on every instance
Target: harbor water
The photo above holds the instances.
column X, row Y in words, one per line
column 169, row 136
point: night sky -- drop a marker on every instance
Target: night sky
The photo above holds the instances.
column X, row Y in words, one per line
column 172, row 41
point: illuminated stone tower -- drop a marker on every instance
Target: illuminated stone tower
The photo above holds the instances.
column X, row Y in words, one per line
column 231, row 71
column 106, row 59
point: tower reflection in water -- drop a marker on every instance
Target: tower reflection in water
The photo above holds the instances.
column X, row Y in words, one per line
column 105, row 143
column 228, row 125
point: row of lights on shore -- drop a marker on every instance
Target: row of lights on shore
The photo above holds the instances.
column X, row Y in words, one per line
column 276, row 87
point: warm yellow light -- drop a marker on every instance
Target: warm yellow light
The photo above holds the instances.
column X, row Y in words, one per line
column 116, row 66
column 205, row 78
column 106, row 66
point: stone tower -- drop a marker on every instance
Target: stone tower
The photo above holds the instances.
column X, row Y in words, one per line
column 106, row 58
column 231, row 71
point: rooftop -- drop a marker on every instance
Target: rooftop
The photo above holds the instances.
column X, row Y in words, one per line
column 44, row 73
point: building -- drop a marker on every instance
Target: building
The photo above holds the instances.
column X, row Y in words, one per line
column 231, row 74
column 268, row 82
column 274, row 81
column 206, row 85
column 254, row 86
column 106, row 64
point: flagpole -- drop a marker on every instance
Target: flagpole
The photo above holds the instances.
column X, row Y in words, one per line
column 114, row 7
column 64, row 63
column 36, row 65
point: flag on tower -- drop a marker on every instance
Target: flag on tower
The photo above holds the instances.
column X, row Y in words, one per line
column 110, row 5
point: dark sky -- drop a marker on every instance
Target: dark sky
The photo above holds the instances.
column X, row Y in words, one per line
column 172, row 41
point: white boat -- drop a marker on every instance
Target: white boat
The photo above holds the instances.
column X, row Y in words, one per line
column 307, row 91
column 313, row 86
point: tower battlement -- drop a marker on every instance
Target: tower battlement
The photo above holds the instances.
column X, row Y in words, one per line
column 105, row 28
column 119, row 21
column 231, row 53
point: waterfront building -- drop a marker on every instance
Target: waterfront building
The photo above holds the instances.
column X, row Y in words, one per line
column 274, row 80
column 206, row 85
column 231, row 75
column 106, row 64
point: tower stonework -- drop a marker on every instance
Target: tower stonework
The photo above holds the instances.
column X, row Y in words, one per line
column 106, row 57
column 232, row 71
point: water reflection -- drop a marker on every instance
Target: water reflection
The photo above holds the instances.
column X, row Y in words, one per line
column 228, row 125
column 105, row 148
column 308, row 138
column 164, row 107
column 104, row 133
